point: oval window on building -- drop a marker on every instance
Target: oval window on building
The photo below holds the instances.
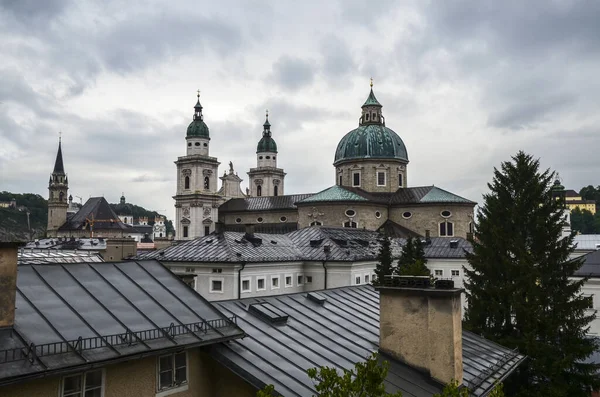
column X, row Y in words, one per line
column 273, row 157
column 268, row 157
column 350, row 212
column 377, row 214
column 260, row 157
column 446, row 214
column 259, row 219
column 238, row 220
column 283, row 219
column 406, row 215
column 189, row 143
column 197, row 143
column 205, row 144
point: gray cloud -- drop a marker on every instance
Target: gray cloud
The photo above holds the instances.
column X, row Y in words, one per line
column 293, row 73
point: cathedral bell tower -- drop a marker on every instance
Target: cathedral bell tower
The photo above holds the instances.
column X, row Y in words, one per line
column 197, row 200
column 266, row 179
column 58, row 187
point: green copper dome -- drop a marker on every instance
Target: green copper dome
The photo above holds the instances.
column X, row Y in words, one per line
column 198, row 127
column 372, row 141
column 266, row 143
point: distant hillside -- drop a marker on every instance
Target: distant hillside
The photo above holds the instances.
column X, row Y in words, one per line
column 13, row 221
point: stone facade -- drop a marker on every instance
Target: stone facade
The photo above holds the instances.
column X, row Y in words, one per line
column 429, row 217
column 336, row 214
column 252, row 217
column 394, row 174
column 58, row 188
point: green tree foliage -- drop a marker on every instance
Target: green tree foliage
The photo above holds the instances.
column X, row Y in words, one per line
column 591, row 193
column 584, row 222
column 412, row 259
column 13, row 222
column 453, row 389
column 519, row 289
column 384, row 260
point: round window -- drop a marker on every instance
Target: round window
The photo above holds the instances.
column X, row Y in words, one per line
column 260, row 157
column 406, row 215
column 377, row 214
column 189, row 143
column 259, row 220
column 283, row 219
column 197, row 143
column 205, row 144
column 273, row 157
column 267, row 157
column 350, row 212
column 446, row 214
column 238, row 220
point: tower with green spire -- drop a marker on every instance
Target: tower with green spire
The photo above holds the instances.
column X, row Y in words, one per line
column 58, row 187
column 266, row 179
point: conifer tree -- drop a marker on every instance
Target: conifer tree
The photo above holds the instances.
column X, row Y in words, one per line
column 412, row 259
column 519, row 289
column 384, row 260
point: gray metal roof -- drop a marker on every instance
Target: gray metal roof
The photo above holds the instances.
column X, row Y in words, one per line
column 307, row 244
column 591, row 265
column 587, row 241
column 72, row 315
column 98, row 210
column 262, row 203
column 41, row 256
column 338, row 333
column 68, row 243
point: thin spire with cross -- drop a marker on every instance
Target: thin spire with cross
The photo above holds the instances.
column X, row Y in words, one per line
column 371, row 82
column 198, row 94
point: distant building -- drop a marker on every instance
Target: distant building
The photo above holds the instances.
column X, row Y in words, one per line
column 574, row 200
column 12, row 203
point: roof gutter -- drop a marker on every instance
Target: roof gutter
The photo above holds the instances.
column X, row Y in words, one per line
column 243, row 264
column 325, row 277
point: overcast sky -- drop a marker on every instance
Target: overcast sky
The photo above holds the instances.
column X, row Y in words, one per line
column 464, row 84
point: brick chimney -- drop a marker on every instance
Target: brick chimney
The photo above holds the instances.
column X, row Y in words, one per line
column 8, row 283
column 421, row 325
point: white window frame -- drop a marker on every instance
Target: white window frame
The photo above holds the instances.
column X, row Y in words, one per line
column 83, row 376
column 438, row 270
column 214, row 291
column 384, row 178
column 300, row 284
column 452, row 273
column 278, row 278
column 367, row 278
column 306, row 279
column 359, row 178
column 264, row 279
column 177, row 389
column 359, row 280
column 291, row 284
column 440, row 228
column 249, row 279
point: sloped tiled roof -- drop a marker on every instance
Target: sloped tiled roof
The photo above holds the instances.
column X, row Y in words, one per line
column 107, row 305
column 437, row 195
column 334, row 193
column 263, row 203
column 41, row 256
column 98, row 210
column 338, row 333
column 307, row 244
column 591, row 265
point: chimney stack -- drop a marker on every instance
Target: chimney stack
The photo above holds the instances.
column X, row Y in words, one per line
column 249, row 229
column 421, row 325
column 8, row 283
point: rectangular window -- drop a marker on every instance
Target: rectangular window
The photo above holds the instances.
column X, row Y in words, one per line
column 380, row 178
column 356, row 179
column 288, row 281
column 219, row 270
column 216, row 285
column 340, row 180
column 185, row 231
column 172, row 371
column 450, row 229
column 88, row 384
column 189, row 270
column 357, row 280
column 308, row 279
column 439, row 273
column 206, row 230
column 246, row 285
column 300, row 279
column 260, row 284
column 274, row 282
column 590, row 301
column 400, row 181
column 366, row 278
column 455, row 273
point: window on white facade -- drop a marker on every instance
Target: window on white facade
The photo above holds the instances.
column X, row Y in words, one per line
column 366, row 278
column 216, row 285
column 246, row 285
column 446, row 229
column 185, row 231
column 590, row 301
column 288, row 281
column 455, row 273
column 88, row 384
column 380, row 178
column 260, row 284
column 274, row 282
column 357, row 280
column 300, row 279
column 439, row 272
column 308, row 279
column 172, row 371
column 356, row 179
column 219, row 270
column 189, row 270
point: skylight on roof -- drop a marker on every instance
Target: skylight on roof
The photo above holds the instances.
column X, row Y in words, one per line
column 316, row 297
column 268, row 312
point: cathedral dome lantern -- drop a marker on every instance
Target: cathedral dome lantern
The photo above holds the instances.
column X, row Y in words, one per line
column 198, row 127
column 267, row 143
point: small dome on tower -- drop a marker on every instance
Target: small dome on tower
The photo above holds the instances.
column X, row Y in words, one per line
column 197, row 127
column 267, row 143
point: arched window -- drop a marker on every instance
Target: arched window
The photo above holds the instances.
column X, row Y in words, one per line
column 187, row 182
column 446, row 229
column 350, row 224
column 367, row 117
column 160, row 235
column 316, row 223
column 259, row 190
column 206, row 182
column 276, row 191
column 61, row 196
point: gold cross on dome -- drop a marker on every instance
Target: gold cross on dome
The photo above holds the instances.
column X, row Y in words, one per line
column 267, row 111
column 371, row 82
column 198, row 94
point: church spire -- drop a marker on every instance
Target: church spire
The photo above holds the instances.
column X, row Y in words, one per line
column 58, row 164
column 371, row 100
column 267, row 125
column 371, row 110
column 198, row 109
